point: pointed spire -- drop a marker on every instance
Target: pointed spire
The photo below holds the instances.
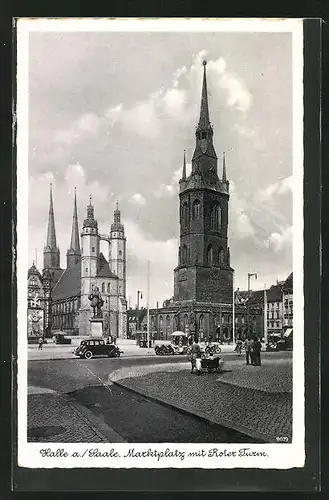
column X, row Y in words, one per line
column 75, row 242
column 204, row 121
column 224, row 178
column 51, row 233
column 184, row 167
column 51, row 255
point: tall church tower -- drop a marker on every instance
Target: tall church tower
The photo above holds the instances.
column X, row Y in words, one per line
column 51, row 255
column 203, row 273
column 117, row 257
column 73, row 255
column 89, row 257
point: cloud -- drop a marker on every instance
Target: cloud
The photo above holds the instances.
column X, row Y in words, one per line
column 85, row 125
column 172, row 188
column 174, row 101
column 277, row 188
column 138, row 199
column 280, row 241
column 162, row 256
column 240, row 223
column 251, row 133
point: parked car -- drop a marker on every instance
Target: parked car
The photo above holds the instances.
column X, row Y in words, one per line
column 96, row 347
column 280, row 345
column 61, row 339
column 164, row 350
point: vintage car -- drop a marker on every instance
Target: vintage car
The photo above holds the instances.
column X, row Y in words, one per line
column 59, row 338
column 96, row 347
column 280, row 345
column 164, row 350
column 178, row 345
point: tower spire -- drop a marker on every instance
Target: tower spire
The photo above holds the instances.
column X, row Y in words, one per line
column 75, row 243
column 51, row 257
column 184, row 167
column 204, row 121
column 51, row 233
column 73, row 254
column 224, row 178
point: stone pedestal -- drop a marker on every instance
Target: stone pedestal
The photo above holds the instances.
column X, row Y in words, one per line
column 96, row 327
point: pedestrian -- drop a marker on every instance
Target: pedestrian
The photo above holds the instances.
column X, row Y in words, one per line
column 257, row 351
column 248, row 347
column 40, row 342
column 196, row 357
column 238, row 347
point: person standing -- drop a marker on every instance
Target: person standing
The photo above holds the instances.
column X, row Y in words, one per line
column 257, row 351
column 195, row 354
column 40, row 342
column 248, row 347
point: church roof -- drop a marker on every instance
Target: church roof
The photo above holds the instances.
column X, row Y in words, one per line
column 68, row 284
column 104, row 270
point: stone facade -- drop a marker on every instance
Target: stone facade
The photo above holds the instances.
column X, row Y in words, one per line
column 66, row 305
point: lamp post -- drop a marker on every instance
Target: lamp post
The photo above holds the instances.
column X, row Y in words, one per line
column 250, row 275
column 139, row 295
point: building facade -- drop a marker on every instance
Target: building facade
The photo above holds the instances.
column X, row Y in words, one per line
column 288, row 303
column 202, row 304
column 66, row 291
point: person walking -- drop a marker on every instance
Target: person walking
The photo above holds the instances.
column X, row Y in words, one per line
column 248, row 347
column 40, row 342
column 195, row 355
column 238, row 347
column 257, row 351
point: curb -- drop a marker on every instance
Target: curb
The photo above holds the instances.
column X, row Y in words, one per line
column 230, row 425
column 97, row 424
column 130, row 356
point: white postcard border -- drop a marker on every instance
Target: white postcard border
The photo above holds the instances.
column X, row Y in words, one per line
column 277, row 456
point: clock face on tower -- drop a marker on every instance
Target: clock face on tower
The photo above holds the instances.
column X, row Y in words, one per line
column 203, row 145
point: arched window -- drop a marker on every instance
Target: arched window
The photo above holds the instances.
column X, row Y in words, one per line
column 185, row 214
column 216, row 218
column 161, row 324
column 103, row 287
column 184, row 254
column 108, row 288
column 196, row 209
column 210, row 255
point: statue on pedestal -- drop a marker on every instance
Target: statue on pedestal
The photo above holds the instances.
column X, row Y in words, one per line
column 96, row 302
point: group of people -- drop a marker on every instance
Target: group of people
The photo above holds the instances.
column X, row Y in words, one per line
column 253, row 349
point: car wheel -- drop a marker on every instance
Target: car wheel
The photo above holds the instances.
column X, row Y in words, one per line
column 218, row 350
column 88, row 354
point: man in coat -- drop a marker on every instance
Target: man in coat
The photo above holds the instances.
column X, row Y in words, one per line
column 195, row 354
column 248, row 345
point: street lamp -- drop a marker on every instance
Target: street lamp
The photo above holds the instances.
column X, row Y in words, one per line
column 250, row 275
column 139, row 295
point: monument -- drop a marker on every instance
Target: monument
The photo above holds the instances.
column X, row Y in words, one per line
column 96, row 321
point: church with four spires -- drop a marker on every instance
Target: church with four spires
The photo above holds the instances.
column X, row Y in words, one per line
column 58, row 299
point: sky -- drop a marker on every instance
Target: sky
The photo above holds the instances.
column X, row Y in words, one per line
column 111, row 113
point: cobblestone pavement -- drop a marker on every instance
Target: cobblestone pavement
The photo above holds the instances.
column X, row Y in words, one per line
column 260, row 414
column 52, row 419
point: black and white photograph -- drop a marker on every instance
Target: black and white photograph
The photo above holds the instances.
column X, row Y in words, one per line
column 160, row 243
